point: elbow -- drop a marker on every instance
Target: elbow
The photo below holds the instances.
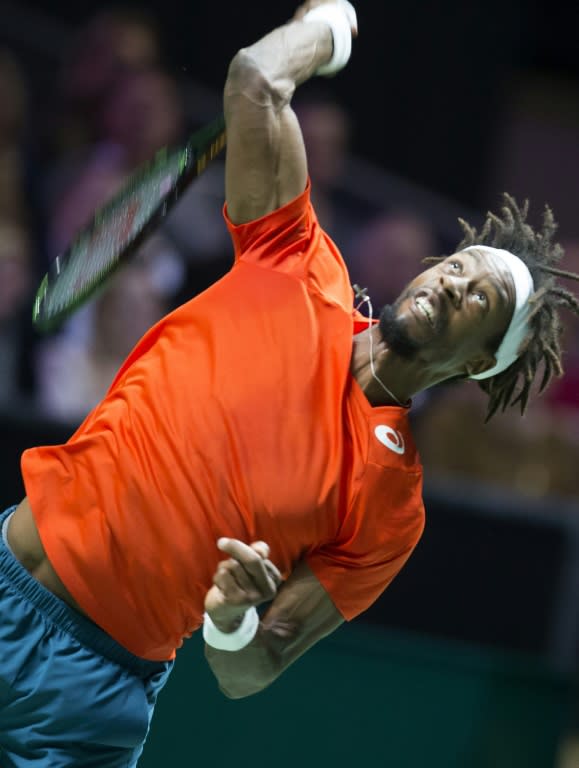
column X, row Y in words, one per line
column 239, row 675
column 242, row 688
column 249, row 78
column 237, row 691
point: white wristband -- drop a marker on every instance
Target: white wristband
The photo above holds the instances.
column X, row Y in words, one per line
column 340, row 16
column 231, row 641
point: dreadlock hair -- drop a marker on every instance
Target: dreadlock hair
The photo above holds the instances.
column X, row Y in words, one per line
column 542, row 346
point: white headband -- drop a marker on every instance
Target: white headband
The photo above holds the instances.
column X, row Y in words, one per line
column 508, row 350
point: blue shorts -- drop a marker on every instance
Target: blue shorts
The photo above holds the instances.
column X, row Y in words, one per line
column 70, row 695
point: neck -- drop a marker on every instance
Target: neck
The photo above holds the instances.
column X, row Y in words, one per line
column 368, row 354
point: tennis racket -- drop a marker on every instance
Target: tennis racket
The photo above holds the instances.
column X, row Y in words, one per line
column 121, row 226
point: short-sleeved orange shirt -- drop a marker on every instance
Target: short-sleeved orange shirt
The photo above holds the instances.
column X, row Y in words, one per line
column 235, row 415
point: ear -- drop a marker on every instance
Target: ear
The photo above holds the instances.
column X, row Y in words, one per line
column 480, row 364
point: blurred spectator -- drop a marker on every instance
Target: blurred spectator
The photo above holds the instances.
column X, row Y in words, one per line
column 75, row 372
column 535, row 455
column 13, row 124
column 115, row 41
column 326, row 130
column 382, row 247
column 122, row 109
column 388, row 252
column 15, row 287
column 197, row 230
column 112, row 43
column 17, row 255
column 100, row 132
column 141, row 114
column 563, row 396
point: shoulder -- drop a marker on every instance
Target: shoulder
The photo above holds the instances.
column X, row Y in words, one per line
column 291, row 227
column 290, row 240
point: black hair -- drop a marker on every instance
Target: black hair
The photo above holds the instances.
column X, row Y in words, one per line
column 541, row 350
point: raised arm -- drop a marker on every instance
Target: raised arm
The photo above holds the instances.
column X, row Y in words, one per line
column 266, row 161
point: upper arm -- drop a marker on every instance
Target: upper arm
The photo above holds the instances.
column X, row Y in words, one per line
column 301, row 614
column 265, row 163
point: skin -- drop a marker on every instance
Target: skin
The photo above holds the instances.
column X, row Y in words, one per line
column 472, row 297
column 266, row 168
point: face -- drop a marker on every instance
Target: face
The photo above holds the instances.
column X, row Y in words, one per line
column 453, row 315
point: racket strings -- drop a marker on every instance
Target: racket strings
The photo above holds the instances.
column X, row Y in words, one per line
column 121, row 225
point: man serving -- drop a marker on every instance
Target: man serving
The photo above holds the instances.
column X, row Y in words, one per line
column 254, row 447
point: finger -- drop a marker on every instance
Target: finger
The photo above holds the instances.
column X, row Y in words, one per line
column 252, row 563
column 245, row 581
column 232, row 593
column 274, row 572
column 261, row 548
column 242, row 578
column 243, row 553
column 239, row 550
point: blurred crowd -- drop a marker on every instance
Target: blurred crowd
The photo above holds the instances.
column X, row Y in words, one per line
column 115, row 103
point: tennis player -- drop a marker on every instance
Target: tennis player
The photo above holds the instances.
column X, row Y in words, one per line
column 254, row 447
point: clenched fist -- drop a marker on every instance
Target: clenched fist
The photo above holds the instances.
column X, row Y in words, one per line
column 248, row 578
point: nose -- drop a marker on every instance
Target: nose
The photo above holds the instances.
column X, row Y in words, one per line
column 453, row 286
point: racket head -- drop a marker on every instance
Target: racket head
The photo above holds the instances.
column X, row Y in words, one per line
column 121, row 225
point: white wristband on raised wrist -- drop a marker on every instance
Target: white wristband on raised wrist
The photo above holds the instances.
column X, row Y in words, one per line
column 231, row 641
column 340, row 16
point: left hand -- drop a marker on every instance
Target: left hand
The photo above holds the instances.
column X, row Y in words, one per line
column 248, row 578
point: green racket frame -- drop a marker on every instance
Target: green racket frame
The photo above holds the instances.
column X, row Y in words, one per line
column 120, row 226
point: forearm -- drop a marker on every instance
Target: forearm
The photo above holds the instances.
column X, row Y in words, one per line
column 248, row 671
column 266, row 164
column 301, row 614
column 279, row 62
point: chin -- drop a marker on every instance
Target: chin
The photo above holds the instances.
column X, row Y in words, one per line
column 397, row 333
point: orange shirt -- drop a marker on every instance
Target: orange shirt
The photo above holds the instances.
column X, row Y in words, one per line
column 235, row 415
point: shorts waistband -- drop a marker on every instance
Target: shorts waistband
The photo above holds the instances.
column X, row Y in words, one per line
column 67, row 619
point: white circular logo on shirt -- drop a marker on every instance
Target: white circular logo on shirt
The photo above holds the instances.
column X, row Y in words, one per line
column 390, row 438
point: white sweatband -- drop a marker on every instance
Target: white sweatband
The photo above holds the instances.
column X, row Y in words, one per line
column 518, row 329
column 340, row 16
column 231, row 641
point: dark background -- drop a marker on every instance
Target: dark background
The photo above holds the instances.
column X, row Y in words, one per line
column 429, row 83
column 434, row 90
column 463, row 99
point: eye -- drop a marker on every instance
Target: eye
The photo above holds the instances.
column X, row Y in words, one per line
column 481, row 297
column 455, row 266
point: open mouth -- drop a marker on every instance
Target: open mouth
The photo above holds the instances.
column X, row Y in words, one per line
column 426, row 308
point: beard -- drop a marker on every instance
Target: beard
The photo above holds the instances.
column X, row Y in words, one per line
column 396, row 335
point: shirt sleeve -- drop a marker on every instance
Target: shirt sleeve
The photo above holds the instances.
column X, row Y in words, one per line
column 279, row 234
column 376, row 539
